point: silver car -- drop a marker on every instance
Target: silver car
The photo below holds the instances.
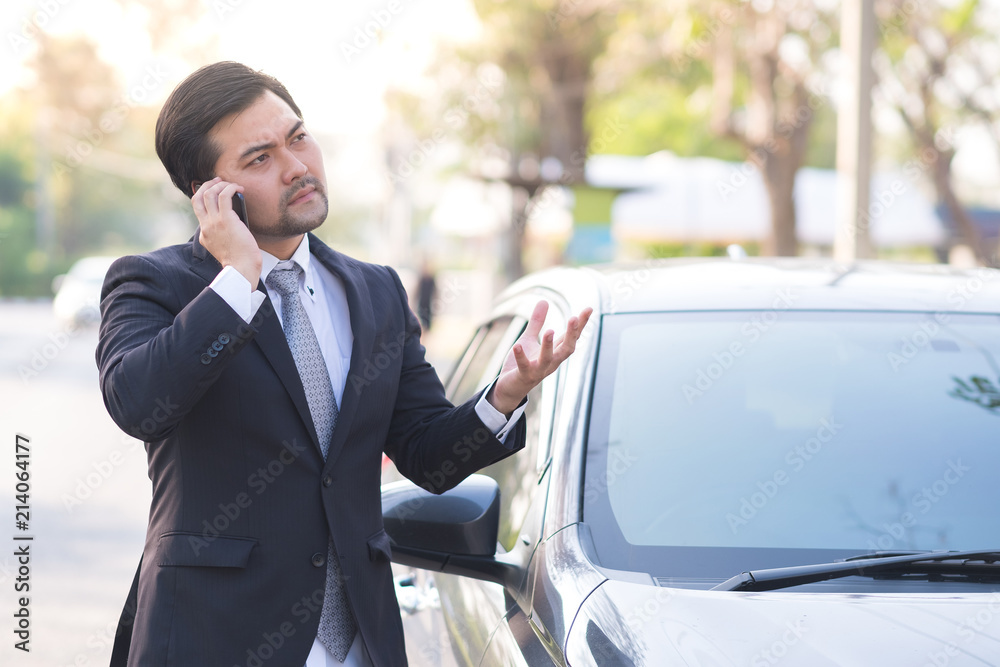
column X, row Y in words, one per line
column 753, row 462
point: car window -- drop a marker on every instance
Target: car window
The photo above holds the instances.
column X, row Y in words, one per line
column 483, row 358
column 517, row 475
column 830, row 431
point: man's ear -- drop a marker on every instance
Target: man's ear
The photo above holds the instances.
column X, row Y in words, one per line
column 194, row 186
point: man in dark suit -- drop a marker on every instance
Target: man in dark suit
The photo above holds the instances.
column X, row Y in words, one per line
column 267, row 373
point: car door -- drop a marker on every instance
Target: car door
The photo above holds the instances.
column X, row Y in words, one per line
column 487, row 623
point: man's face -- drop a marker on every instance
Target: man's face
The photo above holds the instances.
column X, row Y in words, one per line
column 266, row 149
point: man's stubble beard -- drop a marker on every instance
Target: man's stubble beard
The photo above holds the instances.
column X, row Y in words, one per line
column 290, row 225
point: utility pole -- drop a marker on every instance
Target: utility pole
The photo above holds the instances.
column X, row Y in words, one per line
column 854, row 132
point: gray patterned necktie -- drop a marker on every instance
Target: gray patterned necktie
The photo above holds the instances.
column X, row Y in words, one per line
column 337, row 626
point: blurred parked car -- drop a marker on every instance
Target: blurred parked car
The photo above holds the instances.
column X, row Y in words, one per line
column 78, row 292
column 744, row 463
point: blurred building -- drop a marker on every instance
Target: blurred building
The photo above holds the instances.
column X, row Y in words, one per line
column 672, row 200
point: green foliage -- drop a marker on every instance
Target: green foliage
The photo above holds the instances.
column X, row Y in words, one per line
column 592, row 206
column 822, row 150
column 77, row 172
column 659, row 114
column 658, row 250
column 961, row 17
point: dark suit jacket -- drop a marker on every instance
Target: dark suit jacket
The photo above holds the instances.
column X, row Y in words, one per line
column 233, row 566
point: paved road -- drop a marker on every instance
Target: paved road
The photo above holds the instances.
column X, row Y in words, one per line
column 89, row 499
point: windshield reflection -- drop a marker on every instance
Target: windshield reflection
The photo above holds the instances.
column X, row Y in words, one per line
column 834, row 431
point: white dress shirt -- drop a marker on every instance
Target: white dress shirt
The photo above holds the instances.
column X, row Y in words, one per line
column 324, row 299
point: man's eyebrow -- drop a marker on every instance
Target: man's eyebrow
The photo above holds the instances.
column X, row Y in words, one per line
column 263, row 147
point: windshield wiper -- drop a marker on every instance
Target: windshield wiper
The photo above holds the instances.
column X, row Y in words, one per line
column 866, row 565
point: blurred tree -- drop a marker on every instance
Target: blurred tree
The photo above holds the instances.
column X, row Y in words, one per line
column 77, row 170
column 17, row 222
column 179, row 28
column 754, row 68
column 775, row 48
column 517, row 98
column 937, row 68
column 78, row 174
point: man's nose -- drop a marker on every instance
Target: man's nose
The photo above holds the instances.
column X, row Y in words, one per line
column 294, row 169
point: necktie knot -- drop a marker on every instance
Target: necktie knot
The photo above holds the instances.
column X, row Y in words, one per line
column 284, row 280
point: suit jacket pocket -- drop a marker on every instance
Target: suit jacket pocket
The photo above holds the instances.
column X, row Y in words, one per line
column 196, row 549
column 379, row 547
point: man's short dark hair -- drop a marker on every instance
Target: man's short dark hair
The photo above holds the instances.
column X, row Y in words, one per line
column 193, row 109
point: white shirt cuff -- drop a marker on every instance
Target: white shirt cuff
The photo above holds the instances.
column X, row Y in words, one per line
column 235, row 290
column 493, row 419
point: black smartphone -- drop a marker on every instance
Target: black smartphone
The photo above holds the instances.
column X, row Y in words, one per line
column 240, row 206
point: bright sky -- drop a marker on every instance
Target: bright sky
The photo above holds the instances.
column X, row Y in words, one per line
column 300, row 42
column 319, row 50
column 303, row 43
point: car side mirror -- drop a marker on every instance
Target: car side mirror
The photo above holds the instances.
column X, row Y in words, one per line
column 464, row 520
column 455, row 532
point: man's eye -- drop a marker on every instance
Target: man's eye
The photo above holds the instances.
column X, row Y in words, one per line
column 259, row 159
column 299, row 137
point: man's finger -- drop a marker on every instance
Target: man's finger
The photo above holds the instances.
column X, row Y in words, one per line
column 545, row 353
column 537, row 319
column 523, row 364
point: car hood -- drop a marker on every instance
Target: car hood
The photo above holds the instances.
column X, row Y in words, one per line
column 635, row 624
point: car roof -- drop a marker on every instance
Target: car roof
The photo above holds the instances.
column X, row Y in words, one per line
column 765, row 283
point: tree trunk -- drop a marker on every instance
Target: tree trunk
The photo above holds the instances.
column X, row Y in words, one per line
column 563, row 133
column 946, row 195
column 779, row 180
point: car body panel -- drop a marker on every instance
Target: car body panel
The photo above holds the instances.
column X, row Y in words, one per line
column 669, row 626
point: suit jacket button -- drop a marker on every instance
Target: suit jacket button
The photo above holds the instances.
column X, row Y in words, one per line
column 212, row 353
column 328, row 481
column 205, row 359
column 318, row 559
column 224, row 338
column 217, row 346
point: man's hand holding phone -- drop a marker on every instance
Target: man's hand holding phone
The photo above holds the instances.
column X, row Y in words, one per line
column 223, row 233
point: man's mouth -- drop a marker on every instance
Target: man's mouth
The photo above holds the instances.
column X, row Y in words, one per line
column 305, row 194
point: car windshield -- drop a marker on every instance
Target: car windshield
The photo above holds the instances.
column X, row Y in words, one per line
column 760, row 439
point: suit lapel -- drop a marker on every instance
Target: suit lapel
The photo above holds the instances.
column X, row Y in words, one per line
column 269, row 338
column 359, row 304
